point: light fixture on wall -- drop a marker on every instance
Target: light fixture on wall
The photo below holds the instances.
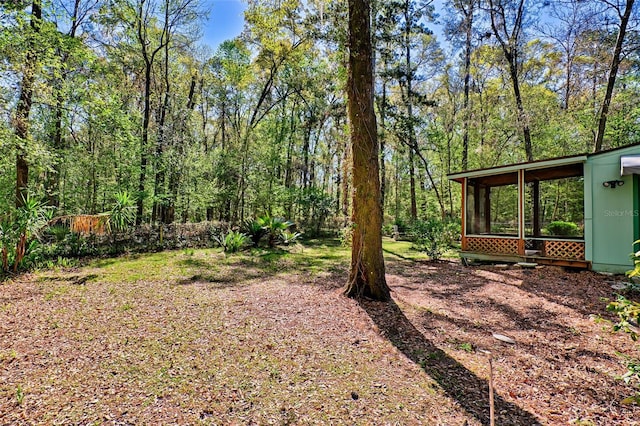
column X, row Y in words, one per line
column 612, row 183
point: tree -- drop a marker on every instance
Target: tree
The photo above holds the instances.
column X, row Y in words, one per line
column 467, row 10
column 23, row 107
column 624, row 15
column 508, row 23
column 367, row 276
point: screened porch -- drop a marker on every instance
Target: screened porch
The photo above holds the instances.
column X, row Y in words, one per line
column 530, row 212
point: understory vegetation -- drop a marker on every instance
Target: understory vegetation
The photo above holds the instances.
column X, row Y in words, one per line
column 32, row 237
column 628, row 312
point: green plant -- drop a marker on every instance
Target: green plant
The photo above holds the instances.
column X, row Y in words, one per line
column 122, row 213
column 287, row 237
column 429, row 236
column 19, row 395
column 74, row 243
column 628, row 312
column 466, row 346
column 633, row 370
column 254, row 229
column 346, row 235
column 232, row 241
column 30, row 219
column 64, row 262
column 34, row 255
column 274, row 226
column 59, row 232
column 7, row 241
column 564, row 229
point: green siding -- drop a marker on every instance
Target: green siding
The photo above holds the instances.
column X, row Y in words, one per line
column 611, row 215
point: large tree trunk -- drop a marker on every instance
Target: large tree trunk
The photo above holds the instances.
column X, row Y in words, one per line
column 161, row 200
column 383, row 135
column 144, row 142
column 613, row 72
column 24, row 106
column 412, row 183
column 367, row 276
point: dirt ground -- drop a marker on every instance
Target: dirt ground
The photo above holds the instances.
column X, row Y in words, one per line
column 565, row 364
column 255, row 345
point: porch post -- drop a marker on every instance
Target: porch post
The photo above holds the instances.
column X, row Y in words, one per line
column 487, row 209
column 464, row 214
column 521, row 206
column 536, row 208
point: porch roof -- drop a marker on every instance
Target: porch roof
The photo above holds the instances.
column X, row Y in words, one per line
column 539, row 165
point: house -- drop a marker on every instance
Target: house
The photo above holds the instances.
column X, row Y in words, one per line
column 579, row 211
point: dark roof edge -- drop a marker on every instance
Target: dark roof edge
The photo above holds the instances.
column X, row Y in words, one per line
column 592, row 154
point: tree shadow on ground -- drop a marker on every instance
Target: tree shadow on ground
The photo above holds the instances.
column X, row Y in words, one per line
column 460, row 384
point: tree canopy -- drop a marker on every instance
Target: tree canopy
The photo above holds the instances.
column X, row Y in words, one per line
column 104, row 97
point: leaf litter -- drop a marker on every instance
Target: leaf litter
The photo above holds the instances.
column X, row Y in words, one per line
column 166, row 343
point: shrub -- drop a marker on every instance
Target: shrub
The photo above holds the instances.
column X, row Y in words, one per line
column 287, row 237
column 232, row 241
column 29, row 221
column 628, row 312
column 430, row 237
column 564, row 229
column 254, row 229
column 59, row 232
column 274, row 227
column 346, row 235
column 122, row 214
column 316, row 207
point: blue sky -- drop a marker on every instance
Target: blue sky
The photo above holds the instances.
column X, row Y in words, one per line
column 225, row 21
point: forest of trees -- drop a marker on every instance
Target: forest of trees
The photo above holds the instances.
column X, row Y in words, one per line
column 105, row 96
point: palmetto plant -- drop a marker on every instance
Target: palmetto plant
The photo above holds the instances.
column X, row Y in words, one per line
column 59, row 232
column 274, row 226
column 254, row 229
column 232, row 241
column 289, row 237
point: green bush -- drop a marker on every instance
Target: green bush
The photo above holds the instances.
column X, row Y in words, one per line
column 254, row 229
column 628, row 312
column 19, row 231
column 430, row 236
column 274, row 227
column 232, row 241
column 123, row 213
column 387, row 230
column 563, row 229
column 287, row 237
column 346, row 235
column 59, row 232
